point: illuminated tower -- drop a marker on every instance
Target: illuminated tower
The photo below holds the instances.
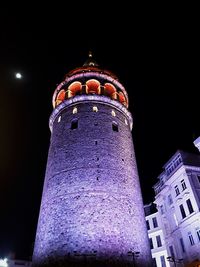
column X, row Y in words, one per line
column 91, row 208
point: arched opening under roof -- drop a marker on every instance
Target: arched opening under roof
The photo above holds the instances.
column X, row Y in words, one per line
column 110, row 90
column 60, row 97
column 93, row 87
column 122, row 98
column 74, row 88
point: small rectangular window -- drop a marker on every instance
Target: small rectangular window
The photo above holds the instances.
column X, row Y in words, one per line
column 183, row 184
column 191, row 239
column 148, row 226
column 162, row 259
column 158, row 240
column 171, row 249
column 189, row 204
column 74, row 124
column 155, row 223
column 115, row 127
column 151, row 243
column 177, row 190
column 182, row 245
column 182, row 211
column 170, row 201
column 198, row 234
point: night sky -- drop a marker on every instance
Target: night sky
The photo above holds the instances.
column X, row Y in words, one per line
column 156, row 58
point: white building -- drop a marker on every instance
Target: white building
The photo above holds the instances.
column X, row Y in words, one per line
column 177, row 197
column 156, row 238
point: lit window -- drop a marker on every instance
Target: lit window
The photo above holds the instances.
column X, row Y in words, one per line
column 75, row 110
column 126, row 122
column 113, row 113
column 189, row 204
column 59, row 119
column 183, row 184
column 95, row 109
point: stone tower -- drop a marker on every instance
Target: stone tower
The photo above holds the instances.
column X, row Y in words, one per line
column 91, row 211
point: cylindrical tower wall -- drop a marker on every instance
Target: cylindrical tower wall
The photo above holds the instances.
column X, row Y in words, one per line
column 92, row 203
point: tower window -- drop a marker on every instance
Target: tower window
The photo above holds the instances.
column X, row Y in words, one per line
column 95, row 109
column 59, row 119
column 74, row 124
column 113, row 113
column 126, row 122
column 115, row 127
column 75, row 110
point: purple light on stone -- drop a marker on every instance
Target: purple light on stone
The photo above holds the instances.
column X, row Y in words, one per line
column 91, row 208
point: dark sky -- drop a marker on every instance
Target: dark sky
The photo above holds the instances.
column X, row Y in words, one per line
column 154, row 54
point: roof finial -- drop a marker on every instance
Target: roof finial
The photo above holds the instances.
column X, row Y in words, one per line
column 90, row 54
column 90, row 61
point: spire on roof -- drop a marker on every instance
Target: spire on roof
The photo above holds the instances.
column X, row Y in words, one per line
column 90, row 61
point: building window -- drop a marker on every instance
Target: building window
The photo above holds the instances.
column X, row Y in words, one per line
column 155, row 223
column 170, row 201
column 189, row 204
column 148, row 226
column 183, row 184
column 182, row 245
column 95, row 109
column 113, row 113
column 198, row 234
column 162, row 209
column 182, row 211
column 171, row 250
column 74, row 124
column 59, row 119
column 158, row 240
column 154, row 262
column 191, row 239
column 151, row 243
column 162, row 259
column 177, row 190
column 115, row 127
column 75, row 110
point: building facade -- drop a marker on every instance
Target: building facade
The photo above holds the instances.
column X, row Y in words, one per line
column 91, row 202
column 177, row 197
column 156, row 236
